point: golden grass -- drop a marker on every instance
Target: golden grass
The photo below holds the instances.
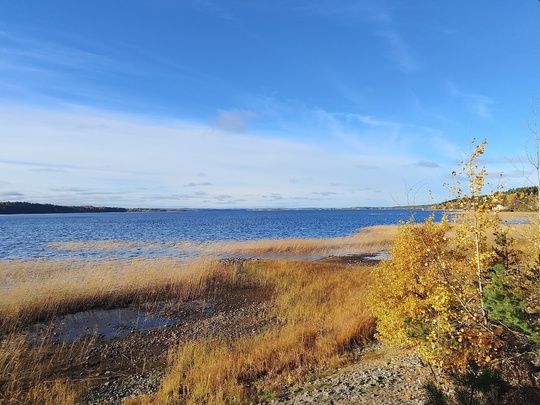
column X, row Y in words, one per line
column 35, row 290
column 322, row 314
column 26, row 370
column 368, row 240
column 42, row 289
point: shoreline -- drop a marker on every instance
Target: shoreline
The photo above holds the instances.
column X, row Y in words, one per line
column 232, row 305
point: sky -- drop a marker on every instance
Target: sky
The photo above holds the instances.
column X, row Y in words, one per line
column 262, row 104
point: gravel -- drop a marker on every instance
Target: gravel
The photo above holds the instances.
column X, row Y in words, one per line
column 381, row 376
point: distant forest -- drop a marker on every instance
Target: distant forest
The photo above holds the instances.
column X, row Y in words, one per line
column 522, row 199
column 34, row 208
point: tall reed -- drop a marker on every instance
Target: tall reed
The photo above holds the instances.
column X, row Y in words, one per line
column 37, row 372
column 367, row 240
column 37, row 290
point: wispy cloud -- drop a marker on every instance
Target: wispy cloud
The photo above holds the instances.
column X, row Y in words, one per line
column 48, row 169
column 78, row 70
column 49, row 71
column 206, row 183
column 350, row 11
column 11, row 195
column 215, row 8
column 364, row 133
column 478, row 104
column 325, row 193
column 233, row 120
column 36, row 55
column 427, row 163
column 377, row 16
column 70, row 190
column 273, row 197
column 399, row 51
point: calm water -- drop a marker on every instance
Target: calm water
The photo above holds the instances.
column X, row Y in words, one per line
column 31, row 236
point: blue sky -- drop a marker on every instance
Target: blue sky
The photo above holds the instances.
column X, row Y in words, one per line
column 227, row 104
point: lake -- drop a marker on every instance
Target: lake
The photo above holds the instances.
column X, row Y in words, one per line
column 35, row 235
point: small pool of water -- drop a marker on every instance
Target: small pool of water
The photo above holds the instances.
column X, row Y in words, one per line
column 379, row 256
column 106, row 324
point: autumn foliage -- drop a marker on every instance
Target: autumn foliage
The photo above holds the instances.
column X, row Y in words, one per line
column 450, row 289
column 426, row 297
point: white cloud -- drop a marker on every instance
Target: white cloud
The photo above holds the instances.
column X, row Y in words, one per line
column 83, row 156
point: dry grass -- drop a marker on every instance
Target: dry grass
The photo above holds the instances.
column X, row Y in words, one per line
column 322, row 314
column 26, row 371
column 368, row 240
column 37, row 290
column 319, row 306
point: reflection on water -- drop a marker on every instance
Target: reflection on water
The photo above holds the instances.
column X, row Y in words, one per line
column 379, row 256
column 105, row 324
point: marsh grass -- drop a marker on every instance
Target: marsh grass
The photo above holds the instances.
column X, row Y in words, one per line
column 319, row 309
column 322, row 315
column 40, row 290
column 29, row 372
column 368, row 240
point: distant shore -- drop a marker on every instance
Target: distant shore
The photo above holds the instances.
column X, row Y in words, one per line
column 36, row 208
column 20, row 207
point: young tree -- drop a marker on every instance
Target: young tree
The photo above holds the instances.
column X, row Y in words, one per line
column 477, row 216
column 429, row 295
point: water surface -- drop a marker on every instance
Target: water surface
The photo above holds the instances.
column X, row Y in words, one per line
column 34, row 235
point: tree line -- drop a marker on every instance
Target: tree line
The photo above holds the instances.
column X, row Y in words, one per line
column 36, row 208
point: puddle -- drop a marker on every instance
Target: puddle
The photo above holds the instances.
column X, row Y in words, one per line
column 106, row 324
column 517, row 221
column 379, row 256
